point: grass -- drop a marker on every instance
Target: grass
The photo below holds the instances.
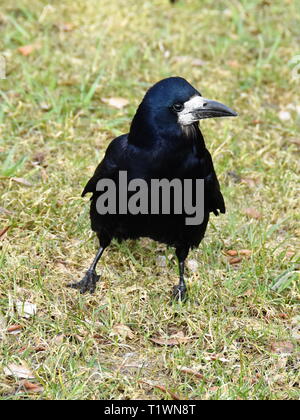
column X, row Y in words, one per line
column 54, row 129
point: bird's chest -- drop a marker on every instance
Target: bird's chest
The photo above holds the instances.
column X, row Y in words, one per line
column 181, row 166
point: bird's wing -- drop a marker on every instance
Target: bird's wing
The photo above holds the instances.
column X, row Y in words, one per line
column 213, row 193
column 217, row 202
column 110, row 164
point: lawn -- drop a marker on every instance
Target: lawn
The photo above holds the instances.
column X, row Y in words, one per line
column 237, row 337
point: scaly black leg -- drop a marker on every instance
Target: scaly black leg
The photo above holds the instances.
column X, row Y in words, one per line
column 88, row 283
column 180, row 291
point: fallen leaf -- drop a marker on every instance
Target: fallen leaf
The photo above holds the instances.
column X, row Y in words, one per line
column 29, row 386
column 282, row 347
column 252, row 212
column 295, row 141
column 181, row 58
column 197, row 62
column 39, row 348
column 283, row 315
column 26, row 50
column 245, row 252
column 167, row 391
column 290, row 254
column 117, row 102
column 3, row 231
column 235, row 260
column 173, row 340
column 122, row 331
column 162, row 388
column 20, row 371
column 251, row 182
column 67, row 27
column 233, row 64
column 248, row 292
column 26, row 309
column 190, row 371
column 231, row 252
column 58, row 339
column 5, row 211
column 22, row 181
column 14, row 329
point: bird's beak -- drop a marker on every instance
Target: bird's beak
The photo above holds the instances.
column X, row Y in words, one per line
column 212, row 109
column 198, row 108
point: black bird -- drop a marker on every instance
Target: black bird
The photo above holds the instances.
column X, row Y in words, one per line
column 164, row 141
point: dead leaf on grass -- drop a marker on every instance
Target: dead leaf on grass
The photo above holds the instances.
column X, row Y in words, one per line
column 122, row 331
column 161, row 388
column 26, row 50
column 22, row 181
column 66, row 27
column 295, row 141
column 5, row 211
column 3, row 231
column 283, row 315
column 31, row 387
column 14, row 329
column 190, row 371
column 245, row 252
column 116, row 102
column 213, row 389
column 233, row 63
column 252, row 212
column 282, row 347
column 231, row 252
column 173, row 340
column 248, row 293
column 20, row 371
column 251, row 182
column 235, row 260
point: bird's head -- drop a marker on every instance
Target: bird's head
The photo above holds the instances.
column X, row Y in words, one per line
column 173, row 106
column 177, row 98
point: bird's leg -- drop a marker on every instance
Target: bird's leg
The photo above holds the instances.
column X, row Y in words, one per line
column 88, row 283
column 179, row 291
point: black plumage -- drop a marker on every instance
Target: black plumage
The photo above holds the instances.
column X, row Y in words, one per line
column 164, row 141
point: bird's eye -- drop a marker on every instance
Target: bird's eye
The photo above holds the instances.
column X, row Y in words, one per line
column 178, row 107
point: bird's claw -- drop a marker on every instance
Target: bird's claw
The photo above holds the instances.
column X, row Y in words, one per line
column 179, row 293
column 88, row 283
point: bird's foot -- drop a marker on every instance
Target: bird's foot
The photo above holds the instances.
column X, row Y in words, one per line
column 88, row 283
column 179, row 293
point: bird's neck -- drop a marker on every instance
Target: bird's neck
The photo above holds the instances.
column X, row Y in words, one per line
column 147, row 133
column 193, row 137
